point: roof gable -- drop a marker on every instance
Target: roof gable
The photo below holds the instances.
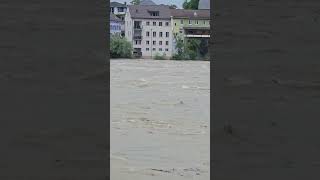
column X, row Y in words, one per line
column 145, row 11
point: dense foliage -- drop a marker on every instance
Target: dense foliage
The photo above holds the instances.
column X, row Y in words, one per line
column 159, row 57
column 120, row 47
column 191, row 4
column 191, row 49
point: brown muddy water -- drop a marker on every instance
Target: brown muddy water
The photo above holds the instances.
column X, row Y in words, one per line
column 160, row 112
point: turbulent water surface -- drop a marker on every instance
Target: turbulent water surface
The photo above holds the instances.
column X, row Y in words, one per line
column 160, row 120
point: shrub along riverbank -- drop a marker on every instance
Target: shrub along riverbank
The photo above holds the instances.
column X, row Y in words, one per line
column 192, row 49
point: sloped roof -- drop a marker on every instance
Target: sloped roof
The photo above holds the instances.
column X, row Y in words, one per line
column 117, row 4
column 204, row 4
column 114, row 17
column 138, row 11
column 147, row 2
column 190, row 14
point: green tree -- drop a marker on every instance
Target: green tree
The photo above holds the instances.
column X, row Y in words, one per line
column 135, row 2
column 173, row 6
column 120, row 47
column 192, row 4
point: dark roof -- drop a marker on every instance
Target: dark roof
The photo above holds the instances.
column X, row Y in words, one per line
column 204, row 4
column 138, row 11
column 114, row 17
column 147, row 2
column 117, row 4
column 190, row 14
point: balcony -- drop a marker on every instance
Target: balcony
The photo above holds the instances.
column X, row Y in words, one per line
column 137, row 37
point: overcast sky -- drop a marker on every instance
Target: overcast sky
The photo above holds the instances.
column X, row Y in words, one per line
column 176, row 2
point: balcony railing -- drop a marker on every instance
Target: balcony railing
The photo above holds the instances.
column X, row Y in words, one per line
column 137, row 37
column 139, row 27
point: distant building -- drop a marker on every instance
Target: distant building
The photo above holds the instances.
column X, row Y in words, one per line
column 148, row 28
column 115, row 25
column 204, row 4
column 118, row 9
column 191, row 24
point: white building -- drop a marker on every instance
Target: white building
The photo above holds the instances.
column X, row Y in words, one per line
column 148, row 28
column 118, row 9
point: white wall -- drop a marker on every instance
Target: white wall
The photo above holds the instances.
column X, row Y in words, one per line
column 157, row 29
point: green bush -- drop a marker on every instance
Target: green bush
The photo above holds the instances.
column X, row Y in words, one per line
column 120, row 47
column 160, row 57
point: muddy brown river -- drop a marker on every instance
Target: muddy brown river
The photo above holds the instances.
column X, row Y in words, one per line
column 160, row 120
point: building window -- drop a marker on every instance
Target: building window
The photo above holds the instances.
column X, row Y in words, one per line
column 167, row 34
column 204, row 21
column 148, row 23
column 160, row 23
column 160, row 42
column 190, row 23
column 148, row 33
column 138, row 42
column 181, row 21
column 147, row 49
column 154, row 42
column 120, row 9
column 147, row 42
column 197, row 22
column 154, row 13
column 153, row 49
column 160, row 49
column 175, row 24
column 167, row 49
column 154, row 34
column 167, row 43
column 154, row 23
column 160, row 34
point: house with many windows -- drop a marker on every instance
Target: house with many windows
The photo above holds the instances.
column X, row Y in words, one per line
column 149, row 29
column 118, row 9
column 191, row 24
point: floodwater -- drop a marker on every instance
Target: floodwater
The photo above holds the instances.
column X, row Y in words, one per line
column 160, row 112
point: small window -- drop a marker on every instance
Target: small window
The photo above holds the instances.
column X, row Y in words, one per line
column 154, row 34
column 167, row 34
column 154, row 23
column 167, row 49
column 148, row 33
column 167, row 23
column 190, row 22
column 181, row 21
column 160, row 42
column 160, row 23
column 175, row 24
column 148, row 42
column 154, row 42
column 204, row 21
column 154, row 13
column 197, row 22
column 148, row 23
column 147, row 49
column 160, row 34
column 160, row 49
column 167, row 43
column 153, row 49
